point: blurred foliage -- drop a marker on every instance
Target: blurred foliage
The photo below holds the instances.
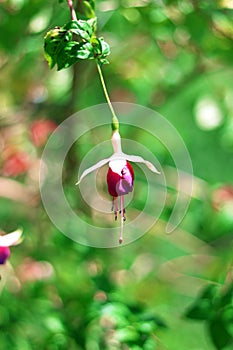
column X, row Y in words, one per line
column 172, row 56
column 215, row 307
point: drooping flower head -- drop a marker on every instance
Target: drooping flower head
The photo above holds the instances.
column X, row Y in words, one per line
column 120, row 179
column 120, row 176
column 6, row 241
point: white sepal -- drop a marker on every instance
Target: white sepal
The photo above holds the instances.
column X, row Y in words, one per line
column 10, row 239
column 138, row 159
column 93, row 168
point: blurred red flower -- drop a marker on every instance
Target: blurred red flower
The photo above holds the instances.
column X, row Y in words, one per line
column 221, row 196
column 40, row 131
column 16, row 164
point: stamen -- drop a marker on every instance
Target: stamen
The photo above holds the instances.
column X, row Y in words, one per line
column 124, row 214
column 122, row 218
column 115, row 201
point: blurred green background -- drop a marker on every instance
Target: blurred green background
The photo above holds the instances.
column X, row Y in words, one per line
column 171, row 292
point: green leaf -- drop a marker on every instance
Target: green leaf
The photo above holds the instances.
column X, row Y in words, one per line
column 87, row 9
column 93, row 23
column 219, row 333
column 96, row 45
column 146, row 327
column 105, row 48
column 103, row 61
column 205, row 305
column 150, row 344
column 64, row 57
column 81, row 28
column 54, row 42
column 72, row 52
column 127, row 334
column 60, row 50
column 149, row 316
column 201, row 310
column 85, row 51
column 227, row 316
column 226, row 296
column 101, row 49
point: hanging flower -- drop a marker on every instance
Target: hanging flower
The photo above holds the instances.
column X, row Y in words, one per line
column 120, row 176
column 6, row 241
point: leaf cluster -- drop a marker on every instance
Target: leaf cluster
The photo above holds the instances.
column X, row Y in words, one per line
column 75, row 41
column 130, row 326
column 214, row 305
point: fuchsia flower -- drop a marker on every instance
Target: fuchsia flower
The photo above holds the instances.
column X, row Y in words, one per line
column 120, row 176
column 6, row 241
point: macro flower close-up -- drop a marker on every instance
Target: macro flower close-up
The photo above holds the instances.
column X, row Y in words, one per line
column 132, row 101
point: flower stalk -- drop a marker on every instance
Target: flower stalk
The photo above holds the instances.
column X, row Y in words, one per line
column 115, row 121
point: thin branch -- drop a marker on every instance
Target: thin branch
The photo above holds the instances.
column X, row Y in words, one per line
column 72, row 11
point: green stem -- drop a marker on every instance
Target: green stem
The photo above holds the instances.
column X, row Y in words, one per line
column 115, row 121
